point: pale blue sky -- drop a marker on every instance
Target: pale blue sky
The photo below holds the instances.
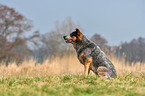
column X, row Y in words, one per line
column 116, row 20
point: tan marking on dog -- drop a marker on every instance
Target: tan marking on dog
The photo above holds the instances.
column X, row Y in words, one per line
column 79, row 35
column 87, row 65
column 102, row 74
column 81, row 57
column 74, row 45
column 74, row 38
column 102, row 71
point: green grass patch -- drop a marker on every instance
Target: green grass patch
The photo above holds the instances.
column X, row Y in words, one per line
column 70, row 85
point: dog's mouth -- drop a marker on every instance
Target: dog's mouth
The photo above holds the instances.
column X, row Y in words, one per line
column 68, row 39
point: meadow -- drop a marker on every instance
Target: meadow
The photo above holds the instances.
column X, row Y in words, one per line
column 63, row 76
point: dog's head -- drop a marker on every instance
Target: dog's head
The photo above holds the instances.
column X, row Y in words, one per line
column 74, row 37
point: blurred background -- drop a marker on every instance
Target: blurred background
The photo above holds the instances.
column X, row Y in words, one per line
column 33, row 29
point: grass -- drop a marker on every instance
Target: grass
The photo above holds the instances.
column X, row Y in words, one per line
column 63, row 76
column 65, row 85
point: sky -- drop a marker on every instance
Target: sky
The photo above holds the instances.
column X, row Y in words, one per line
column 116, row 20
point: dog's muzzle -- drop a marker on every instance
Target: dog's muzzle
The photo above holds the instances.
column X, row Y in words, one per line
column 68, row 39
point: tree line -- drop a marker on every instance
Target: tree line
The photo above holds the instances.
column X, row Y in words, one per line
column 133, row 51
column 16, row 45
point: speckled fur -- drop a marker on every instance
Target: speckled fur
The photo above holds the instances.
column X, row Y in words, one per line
column 98, row 56
column 87, row 49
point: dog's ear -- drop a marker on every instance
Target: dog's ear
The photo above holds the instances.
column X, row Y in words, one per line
column 77, row 30
column 79, row 34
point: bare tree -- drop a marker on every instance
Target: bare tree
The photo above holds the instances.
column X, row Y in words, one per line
column 100, row 41
column 52, row 42
column 13, row 27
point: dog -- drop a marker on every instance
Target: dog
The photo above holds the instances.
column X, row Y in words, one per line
column 90, row 55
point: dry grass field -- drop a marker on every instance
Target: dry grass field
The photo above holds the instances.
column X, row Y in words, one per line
column 67, row 64
column 63, row 76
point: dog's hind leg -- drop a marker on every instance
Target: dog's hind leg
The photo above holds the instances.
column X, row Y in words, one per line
column 103, row 72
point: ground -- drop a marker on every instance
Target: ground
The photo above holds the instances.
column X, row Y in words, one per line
column 70, row 85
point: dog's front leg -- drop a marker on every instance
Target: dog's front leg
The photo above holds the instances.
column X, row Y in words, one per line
column 86, row 61
column 86, row 69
